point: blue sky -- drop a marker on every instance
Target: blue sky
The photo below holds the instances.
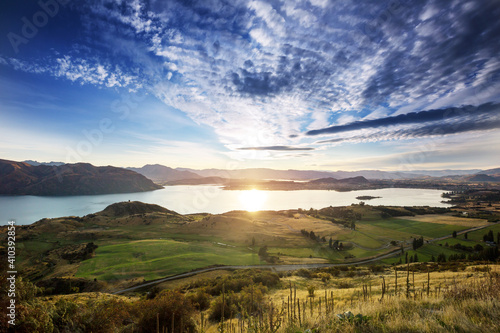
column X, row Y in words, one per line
column 312, row 84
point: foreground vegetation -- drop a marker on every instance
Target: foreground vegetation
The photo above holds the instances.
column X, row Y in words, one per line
column 452, row 297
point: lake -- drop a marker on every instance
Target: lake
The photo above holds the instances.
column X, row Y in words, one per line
column 210, row 199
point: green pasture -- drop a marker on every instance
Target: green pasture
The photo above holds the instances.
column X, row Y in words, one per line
column 424, row 253
column 154, row 259
column 478, row 234
column 430, row 230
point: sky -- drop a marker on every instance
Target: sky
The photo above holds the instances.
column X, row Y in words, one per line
column 306, row 84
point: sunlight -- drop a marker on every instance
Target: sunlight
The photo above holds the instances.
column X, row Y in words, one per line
column 253, row 200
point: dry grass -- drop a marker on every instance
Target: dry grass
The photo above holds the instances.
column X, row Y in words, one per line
column 446, row 219
column 457, row 302
column 270, row 228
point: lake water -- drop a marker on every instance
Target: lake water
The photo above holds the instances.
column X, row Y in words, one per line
column 209, row 199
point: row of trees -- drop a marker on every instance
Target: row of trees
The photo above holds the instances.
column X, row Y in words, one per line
column 332, row 244
column 490, row 238
column 417, row 242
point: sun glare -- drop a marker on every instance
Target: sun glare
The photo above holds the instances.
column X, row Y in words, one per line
column 253, row 200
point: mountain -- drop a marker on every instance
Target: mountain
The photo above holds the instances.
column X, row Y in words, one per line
column 490, row 172
column 482, row 178
column 200, row 181
column 36, row 163
column 263, row 173
column 160, row 173
column 21, row 178
column 330, row 180
column 443, row 173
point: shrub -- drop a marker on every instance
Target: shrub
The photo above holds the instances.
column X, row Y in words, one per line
column 377, row 269
column 200, row 300
column 170, row 307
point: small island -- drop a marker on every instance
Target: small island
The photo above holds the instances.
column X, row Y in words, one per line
column 367, row 197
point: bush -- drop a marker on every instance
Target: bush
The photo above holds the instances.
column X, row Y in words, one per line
column 377, row 269
column 223, row 307
column 200, row 300
column 170, row 306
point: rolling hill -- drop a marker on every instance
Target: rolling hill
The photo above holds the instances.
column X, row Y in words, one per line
column 19, row 178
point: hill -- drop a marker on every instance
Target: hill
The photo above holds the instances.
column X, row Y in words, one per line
column 482, row 178
column 491, row 172
column 330, row 180
column 121, row 209
column 160, row 173
column 20, row 178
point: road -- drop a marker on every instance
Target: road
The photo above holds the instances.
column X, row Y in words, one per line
column 284, row 268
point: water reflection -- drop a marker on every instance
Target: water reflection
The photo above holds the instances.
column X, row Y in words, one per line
column 252, row 200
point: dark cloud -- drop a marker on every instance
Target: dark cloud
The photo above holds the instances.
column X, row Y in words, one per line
column 279, row 148
column 437, row 52
column 442, row 115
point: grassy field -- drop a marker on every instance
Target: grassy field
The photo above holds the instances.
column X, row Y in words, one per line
column 152, row 259
column 478, row 235
column 447, row 219
column 424, row 253
column 411, row 227
column 155, row 244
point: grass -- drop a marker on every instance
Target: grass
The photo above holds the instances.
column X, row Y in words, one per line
column 464, row 301
column 448, row 219
column 478, row 234
column 363, row 253
column 424, row 253
column 152, row 259
column 362, row 237
column 459, row 240
column 430, row 230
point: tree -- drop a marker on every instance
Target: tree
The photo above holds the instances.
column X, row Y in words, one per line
column 433, row 259
column 415, row 258
column 466, row 236
column 263, row 251
column 454, row 234
column 253, row 241
column 441, row 257
column 330, row 243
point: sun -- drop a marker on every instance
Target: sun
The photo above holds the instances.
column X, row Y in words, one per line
column 253, row 200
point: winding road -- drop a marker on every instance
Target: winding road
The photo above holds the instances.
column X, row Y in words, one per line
column 289, row 267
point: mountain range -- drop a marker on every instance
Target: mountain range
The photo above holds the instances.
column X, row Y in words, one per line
column 164, row 174
column 19, row 178
column 161, row 174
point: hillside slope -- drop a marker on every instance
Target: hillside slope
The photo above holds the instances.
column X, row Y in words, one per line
column 19, row 178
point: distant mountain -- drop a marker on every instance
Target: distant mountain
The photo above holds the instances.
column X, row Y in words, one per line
column 330, row 180
column 21, row 178
column 36, row 163
column 160, row 173
column 263, row 173
column 482, row 178
column 200, row 181
column 443, row 173
column 490, row 172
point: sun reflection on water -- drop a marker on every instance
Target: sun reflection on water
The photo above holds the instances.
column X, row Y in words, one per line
column 253, row 200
